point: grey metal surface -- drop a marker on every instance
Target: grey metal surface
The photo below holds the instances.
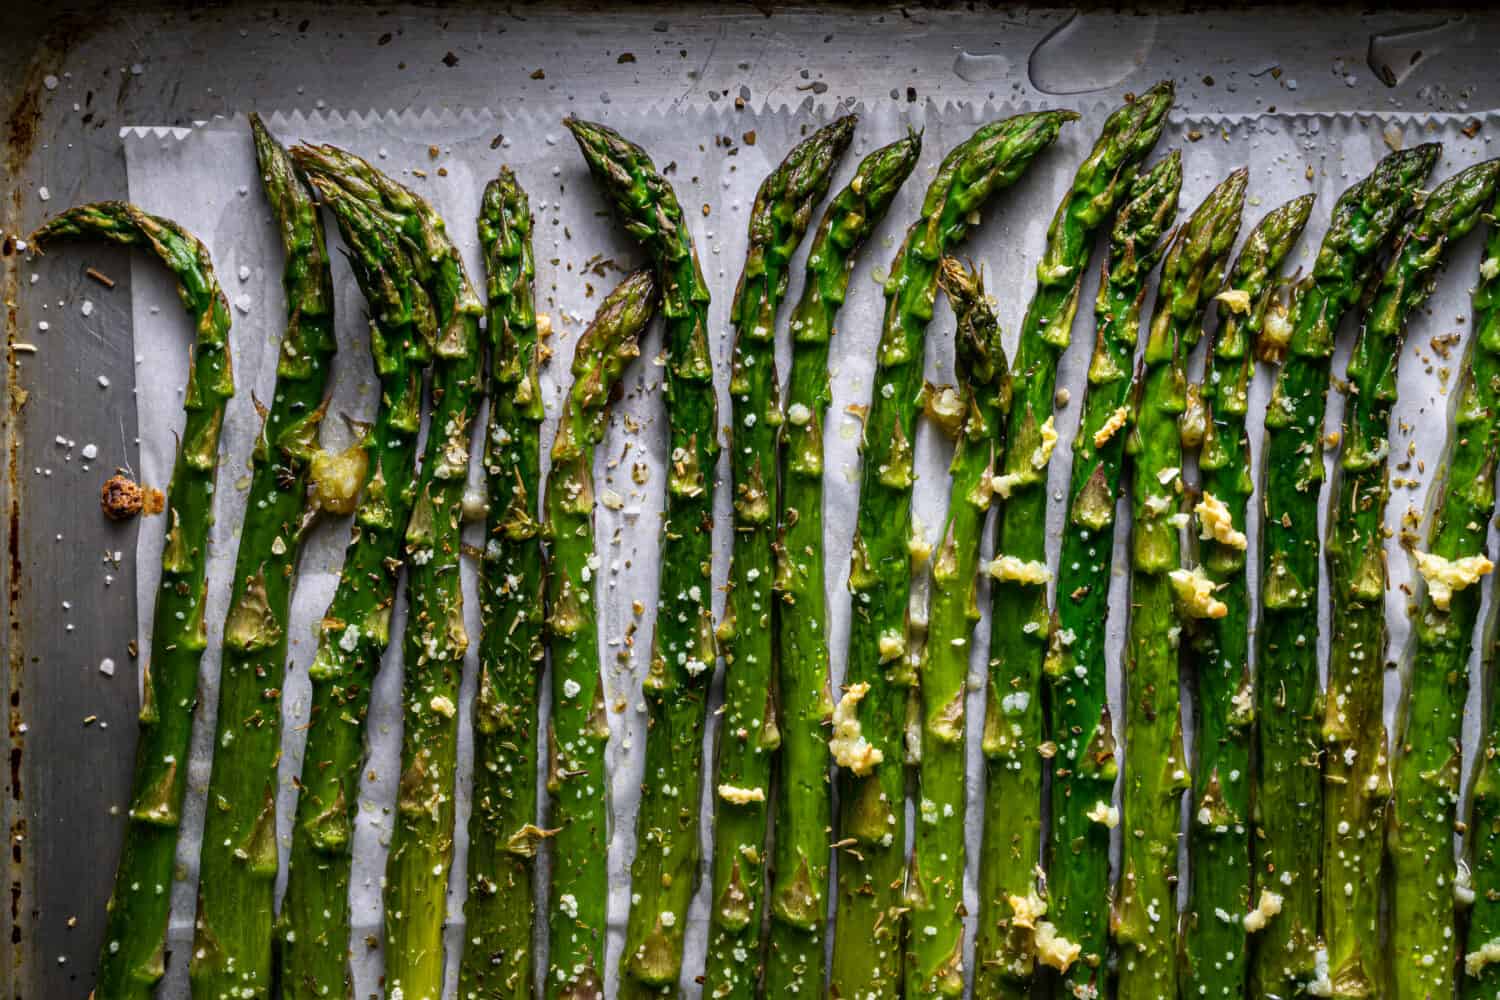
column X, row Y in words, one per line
column 70, row 82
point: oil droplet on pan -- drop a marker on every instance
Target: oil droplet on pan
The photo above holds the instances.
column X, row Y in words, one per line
column 1394, row 55
column 1091, row 52
column 982, row 67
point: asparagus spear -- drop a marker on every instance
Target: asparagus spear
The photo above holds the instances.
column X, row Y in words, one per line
column 802, row 809
column 435, row 639
column 355, row 629
column 804, row 806
column 1480, row 882
column 1084, row 780
column 1357, row 781
column 579, row 726
column 503, row 831
column 1010, row 847
column 1214, row 946
column 748, row 735
column 238, row 863
column 872, row 828
column 134, row 959
column 1287, row 793
column 1426, row 788
column 665, row 870
column 973, row 410
column 1476, row 444
column 1155, row 768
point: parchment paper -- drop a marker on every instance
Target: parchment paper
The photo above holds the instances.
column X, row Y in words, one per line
column 206, row 179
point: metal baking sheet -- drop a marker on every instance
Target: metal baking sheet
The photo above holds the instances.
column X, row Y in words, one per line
column 73, row 80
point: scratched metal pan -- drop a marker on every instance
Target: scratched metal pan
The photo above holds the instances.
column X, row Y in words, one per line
column 68, row 81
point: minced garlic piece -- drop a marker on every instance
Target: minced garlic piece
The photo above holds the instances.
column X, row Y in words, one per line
column 1276, row 329
column 946, row 408
column 442, row 705
column 918, row 545
column 741, row 796
column 1053, row 949
column 1218, row 523
column 337, row 477
column 1490, row 268
column 1103, row 812
column 1111, row 426
column 1237, row 299
column 1002, row 485
column 1027, row 910
column 891, row 646
column 1444, row 576
column 1013, row 570
column 1195, row 592
column 849, row 747
column 1488, row 954
column 1268, row 907
column 1043, row 453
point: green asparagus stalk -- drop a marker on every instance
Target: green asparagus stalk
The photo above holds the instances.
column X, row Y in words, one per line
column 355, row 629
column 1480, row 881
column 872, row 785
column 503, row 831
column 1084, row 779
column 1475, row 448
column 1287, row 795
column 804, row 803
column 1425, row 801
column 1356, row 775
column 973, row 410
column 665, row 870
column 747, row 737
column 802, row 808
column 134, row 958
column 1218, row 916
column 1155, row 767
column 238, row 863
column 435, row 640
column 579, row 726
column 1010, row 847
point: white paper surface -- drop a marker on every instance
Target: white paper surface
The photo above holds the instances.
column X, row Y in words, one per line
column 206, row 179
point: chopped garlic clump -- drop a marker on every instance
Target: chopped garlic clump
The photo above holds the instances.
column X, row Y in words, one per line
column 1043, row 453
column 1218, row 524
column 337, row 477
column 1195, row 592
column 1053, row 949
column 1488, row 954
column 1276, row 329
column 1002, row 485
column 891, row 646
column 741, row 796
column 849, row 747
column 1268, row 907
column 1444, row 576
column 918, row 545
column 1027, row 910
column 1103, row 812
column 1014, row 570
column 1237, row 299
column 1111, row 427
